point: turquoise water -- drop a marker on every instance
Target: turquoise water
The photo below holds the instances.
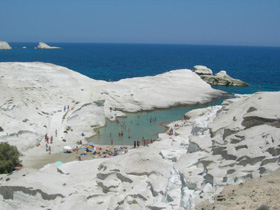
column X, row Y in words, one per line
column 259, row 66
column 142, row 124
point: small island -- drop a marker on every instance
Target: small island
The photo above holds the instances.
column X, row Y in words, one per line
column 221, row 78
column 43, row 45
column 5, row 46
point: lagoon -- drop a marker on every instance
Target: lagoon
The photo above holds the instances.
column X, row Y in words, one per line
column 146, row 124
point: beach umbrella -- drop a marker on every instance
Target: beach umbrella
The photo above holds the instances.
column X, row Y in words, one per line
column 90, row 143
column 58, row 162
column 67, row 148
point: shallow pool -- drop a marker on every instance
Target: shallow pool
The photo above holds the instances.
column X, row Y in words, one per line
column 141, row 124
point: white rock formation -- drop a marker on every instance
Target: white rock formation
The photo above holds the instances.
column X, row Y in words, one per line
column 215, row 147
column 33, row 97
column 221, row 78
column 202, row 70
column 5, row 46
column 43, row 45
column 172, row 88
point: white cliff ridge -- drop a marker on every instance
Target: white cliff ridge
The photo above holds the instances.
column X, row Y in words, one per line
column 212, row 148
column 36, row 96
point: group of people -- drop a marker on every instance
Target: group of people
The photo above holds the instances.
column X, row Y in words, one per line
column 100, row 152
column 66, row 107
column 48, row 140
column 145, row 142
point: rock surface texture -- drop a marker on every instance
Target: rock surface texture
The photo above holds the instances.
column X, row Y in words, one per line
column 43, row 45
column 255, row 194
column 221, row 78
column 5, row 46
column 212, row 148
column 35, row 99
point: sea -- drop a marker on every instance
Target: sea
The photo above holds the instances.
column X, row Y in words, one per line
column 258, row 66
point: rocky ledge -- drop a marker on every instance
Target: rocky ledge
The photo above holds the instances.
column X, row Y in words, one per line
column 212, row 148
column 5, row 46
column 33, row 98
column 221, row 78
column 43, row 45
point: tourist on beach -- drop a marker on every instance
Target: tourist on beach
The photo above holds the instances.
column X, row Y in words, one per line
column 138, row 142
column 47, row 147
column 134, row 144
column 55, row 133
column 50, row 150
column 67, row 107
column 64, row 108
column 144, row 142
column 79, row 158
column 47, row 139
column 148, row 141
column 51, row 139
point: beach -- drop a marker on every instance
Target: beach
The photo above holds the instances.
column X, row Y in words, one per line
column 37, row 162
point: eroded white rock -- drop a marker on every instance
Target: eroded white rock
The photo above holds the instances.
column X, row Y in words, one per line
column 5, row 46
column 43, row 45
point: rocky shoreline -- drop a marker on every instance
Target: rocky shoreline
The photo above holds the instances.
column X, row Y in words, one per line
column 211, row 148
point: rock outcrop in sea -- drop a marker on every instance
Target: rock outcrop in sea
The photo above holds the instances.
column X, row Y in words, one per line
column 221, row 78
column 43, row 45
column 5, row 46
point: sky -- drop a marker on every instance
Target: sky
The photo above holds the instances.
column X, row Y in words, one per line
column 211, row 22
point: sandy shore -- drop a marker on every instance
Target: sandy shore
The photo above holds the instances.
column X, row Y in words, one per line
column 39, row 161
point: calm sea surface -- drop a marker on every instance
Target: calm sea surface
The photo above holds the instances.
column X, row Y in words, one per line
column 259, row 66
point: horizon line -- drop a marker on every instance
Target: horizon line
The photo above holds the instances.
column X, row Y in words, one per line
column 137, row 43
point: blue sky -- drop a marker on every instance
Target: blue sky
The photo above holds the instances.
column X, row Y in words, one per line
column 215, row 22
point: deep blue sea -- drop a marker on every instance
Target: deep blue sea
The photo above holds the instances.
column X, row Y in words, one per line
column 259, row 66
column 255, row 65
